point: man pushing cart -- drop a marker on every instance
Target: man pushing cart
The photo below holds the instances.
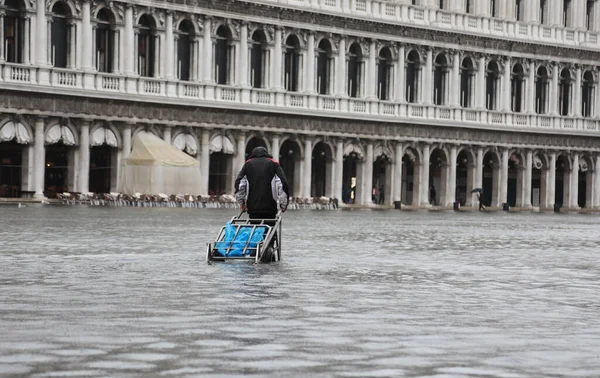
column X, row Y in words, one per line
column 261, row 187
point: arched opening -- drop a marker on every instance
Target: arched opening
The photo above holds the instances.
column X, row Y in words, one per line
column 223, row 69
column 413, row 75
column 438, row 177
column 322, row 159
column 100, row 169
column 219, row 173
column 384, row 74
column 519, row 10
column 14, row 31
column 544, row 16
column 562, row 183
column 290, row 159
column 104, row 41
column 491, row 178
column 291, row 64
column 147, row 52
column 590, row 11
column 564, row 92
column 57, row 169
column 350, row 194
column 61, row 35
column 567, row 16
column 542, row 85
column 492, row 86
column 253, row 143
column 324, row 68
column 467, row 83
column 258, row 59
column 11, row 159
column 410, row 178
column 517, row 88
column 516, row 180
column 355, row 70
column 441, row 76
column 381, row 180
column 464, row 177
column 588, row 95
column 185, row 50
column 585, row 184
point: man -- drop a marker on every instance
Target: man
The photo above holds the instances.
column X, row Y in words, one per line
column 260, row 185
column 480, row 200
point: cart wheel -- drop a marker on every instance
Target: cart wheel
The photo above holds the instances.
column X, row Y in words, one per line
column 267, row 256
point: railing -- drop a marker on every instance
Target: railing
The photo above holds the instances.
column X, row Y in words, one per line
column 195, row 93
column 412, row 14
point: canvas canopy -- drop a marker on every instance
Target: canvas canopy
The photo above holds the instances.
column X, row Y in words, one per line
column 154, row 167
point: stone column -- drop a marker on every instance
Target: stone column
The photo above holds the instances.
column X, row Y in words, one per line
column 341, row 69
column 208, row 50
column 455, row 85
column 367, row 180
column 127, row 140
column 554, row 91
column 2, row 36
column 27, row 39
column 39, row 158
column 277, row 64
column 504, row 179
column 129, row 53
column 398, row 172
column 241, row 154
column 167, row 134
column 275, row 145
column 84, row 157
column 506, row 85
column 597, row 183
column 307, row 179
column 86, row 28
column 531, row 88
column 574, row 191
column 371, row 76
column 243, row 67
column 551, row 196
column 310, row 64
column 481, row 93
column 339, row 169
column 528, row 177
column 577, row 93
column 424, row 176
column 41, row 40
column 400, row 76
column 451, row 186
column 427, row 87
column 479, row 172
column 205, row 161
column 169, row 46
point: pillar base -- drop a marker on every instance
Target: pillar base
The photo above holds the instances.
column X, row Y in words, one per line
column 39, row 196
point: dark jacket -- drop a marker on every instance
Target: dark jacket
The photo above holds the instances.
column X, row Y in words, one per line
column 259, row 170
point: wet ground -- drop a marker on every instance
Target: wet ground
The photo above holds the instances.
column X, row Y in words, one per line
column 117, row 292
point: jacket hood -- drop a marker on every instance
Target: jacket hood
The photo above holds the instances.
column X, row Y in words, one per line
column 260, row 152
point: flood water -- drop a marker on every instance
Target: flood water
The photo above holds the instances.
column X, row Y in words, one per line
column 118, row 292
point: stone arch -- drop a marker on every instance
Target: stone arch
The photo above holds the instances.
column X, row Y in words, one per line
column 186, row 141
column 27, row 5
column 355, row 148
column 229, row 29
column 152, row 129
column 262, row 136
column 73, row 9
column 292, row 139
column 331, row 145
column 16, row 129
column 265, row 32
column 60, row 130
column 103, row 7
column 383, row 150
column 297, row 36
column 222, row 142
column 151, row 15
column 414, row 53
column 196, row 28
column 110, row 132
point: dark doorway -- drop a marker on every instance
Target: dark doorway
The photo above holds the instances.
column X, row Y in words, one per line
column 11, row 155
column 57, row 170
column 100, row 169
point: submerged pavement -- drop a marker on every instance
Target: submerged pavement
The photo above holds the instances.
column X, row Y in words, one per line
column 126, row 292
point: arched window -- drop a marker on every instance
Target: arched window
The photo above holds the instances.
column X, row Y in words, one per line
column 324, row 68
column 223, row 56
column 355, row 68
column 492, row 86
column 104, row 41
column 441, row 76
column 589, row 14
column 543, row 11
column 542, row 84
column 14, row 31
column 291, row 64
column 147, row 46
column 258, row 60
column 567, row 10
column 185, row 50
column 519, row 10
column 384, row 74
column 467, row 83
column 61, row 36
column 413, row 75
column 588, row 95
column 564, row 92
column 517, row 88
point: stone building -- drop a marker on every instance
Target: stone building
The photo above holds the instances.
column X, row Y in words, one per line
column 423, row 100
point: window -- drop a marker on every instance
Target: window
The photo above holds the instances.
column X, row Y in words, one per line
column 589, row 14
column 517, row 88
column 543, row 11
column 291, row 64
column 185, row 50
column 258, row 56
column 519, row 10
column 223, row 56
column 467, row 83
column 441, row 75
column 324, row 67
column 567, row 13
column 355, row 63
column 542, row 83
column 14, row 31
column 587, row 95
column 564, row 93
column 413, row 74
column 104, row 41
column 441, row 4
column 384, row 74
column 468, row 7
column 493, row 10
column 60, row 39
column 492, row 86
column 146, row 46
